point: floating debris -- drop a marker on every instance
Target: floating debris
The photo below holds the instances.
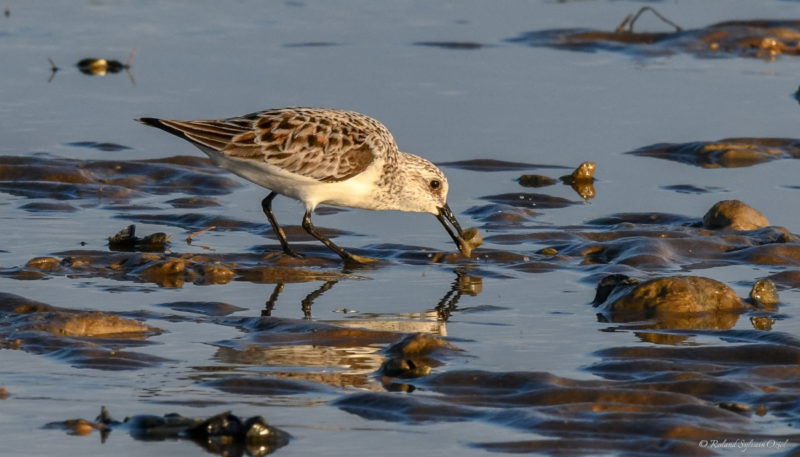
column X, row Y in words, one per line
column 101, row 67
column 126, row 240
column 199, row 232
column 97, row 67
column 223, row 434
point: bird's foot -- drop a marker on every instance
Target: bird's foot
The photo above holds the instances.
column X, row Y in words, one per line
column 357, row 260
column 293, row 253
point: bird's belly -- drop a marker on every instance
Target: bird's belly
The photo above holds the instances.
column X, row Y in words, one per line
column 356, row 192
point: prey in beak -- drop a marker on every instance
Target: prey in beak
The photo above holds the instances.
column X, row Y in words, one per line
column 466, row 240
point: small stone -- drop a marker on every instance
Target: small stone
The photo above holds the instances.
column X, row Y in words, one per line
column 734, row 215
column 764, row 293
column 550, row 252
column 762, row 323
column 584, row 172
column 44, row 263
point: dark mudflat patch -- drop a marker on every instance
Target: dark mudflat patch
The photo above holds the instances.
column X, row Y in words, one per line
column 715, row 389
column 647, row 242
column 193, row 222
column 727, row 153
column 495, row 165
column 452, row 45
column 530, row 200
column 763, row 39
column 85, row 339
column 643, row 219
column 266, row 386
column 641, row 392
column 312, row 44
column 692, row 189
column 57, row 178
column 580, row 447
column 47, row 207
column 108, row 147
column 173, row 270
column 193, row 202
column 204, row 308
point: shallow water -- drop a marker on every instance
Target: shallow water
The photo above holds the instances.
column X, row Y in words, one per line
column 536, row 368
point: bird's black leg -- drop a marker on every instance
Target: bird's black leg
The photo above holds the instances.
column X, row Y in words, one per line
column 266, row 205
column 346, row 256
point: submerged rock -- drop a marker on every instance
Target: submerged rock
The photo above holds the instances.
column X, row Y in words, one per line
column 679, row 294
column 411, row 356
column 23, row 314
column 677, row 302
column 94, row 324
column 90, row 339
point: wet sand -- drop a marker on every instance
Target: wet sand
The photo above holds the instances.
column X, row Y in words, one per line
column 137, row 276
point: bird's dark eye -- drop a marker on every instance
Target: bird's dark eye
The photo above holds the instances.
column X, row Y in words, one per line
column 435, row 184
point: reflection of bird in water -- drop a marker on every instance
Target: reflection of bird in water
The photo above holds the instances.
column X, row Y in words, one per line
column 432, row 321
column 348, row 352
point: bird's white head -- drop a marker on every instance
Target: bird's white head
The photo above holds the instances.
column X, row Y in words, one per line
column 425, row 191
column 424, row 188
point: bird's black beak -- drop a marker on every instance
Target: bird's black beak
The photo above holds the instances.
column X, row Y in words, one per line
column 445, row 216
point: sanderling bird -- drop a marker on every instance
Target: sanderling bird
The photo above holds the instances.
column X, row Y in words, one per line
column 318, row 155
